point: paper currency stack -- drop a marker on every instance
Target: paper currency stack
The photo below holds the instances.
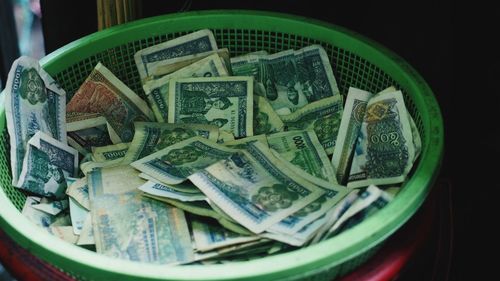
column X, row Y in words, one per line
column 220, row 159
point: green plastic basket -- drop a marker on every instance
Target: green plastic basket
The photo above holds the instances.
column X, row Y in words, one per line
column 356, row 61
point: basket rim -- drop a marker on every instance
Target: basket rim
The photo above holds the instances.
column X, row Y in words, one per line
column 347, row 245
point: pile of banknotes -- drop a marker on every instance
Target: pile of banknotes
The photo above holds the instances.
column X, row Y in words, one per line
column 220, row 159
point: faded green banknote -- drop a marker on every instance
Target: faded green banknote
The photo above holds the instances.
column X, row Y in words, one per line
column 202, row 208
column 78, row 214
column 169, row 191
column 255, row 188
column 113, row 180
column 184, row 187
column 110, row 152
column 223, row 101
column 157, row 90
column 322, row 116
column 151, row 137
column 130, row 226
column 371, row 200
column 92, row 135
column 79, row 190
column 265, row 119
column 175, row 163
column 38, row 217
column 52, row 207
column 208, row 236
column 303, row 150
column 103, row 94
column 242, row 143
column 33, row 102
column 384, row 151
column 193, row 43
column 47, row 164
column 290, row 79
column 352, row 118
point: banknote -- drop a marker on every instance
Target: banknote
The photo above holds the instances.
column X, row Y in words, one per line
column 352, row 118
column 79, row 190
column 78, row 214
column 89, row 166
column 94, row 135
column 224, row 101
column 175, row 163
column 314, row 232
column 384, row 150
column 290, row 79
column 265, row 119
column 203, row 209
column 151, row 137
column 197, row 42
column 298, row 220
column 225, row 136
column 235, row 59
column 164, row 190
column 130, row 226
column 184, row 187
column 303, row 150
column 33, row 102
column 87, row 232
column 208, row 236
column 113, row 180
column 104, row 94
column 369, row 201
column 110, row 152
column 63, row 232
column 38, row 217
column 255, row 188
column 157, row 90
column 51, row 207
column 322, row 116
column 242, row 143
column 47, row 164
column 234, row 252
column 172, row 65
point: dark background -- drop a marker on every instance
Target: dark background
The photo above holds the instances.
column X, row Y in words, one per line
column 451, row 46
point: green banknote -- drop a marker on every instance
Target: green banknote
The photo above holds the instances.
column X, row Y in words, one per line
column 322, row 116
column 109, row 152
column 352, row 118
column 151, row 137
column 169, row 191
column 52, row 207
column 209, row 236
column 384, row 151
column 265, row 119
column 255, row 188
column 33, row 102
column 175, row 163
column 242, row 143
column 157, row 90
column 304, row 151
column 290, row 79
column 203, row 209
column 223, row 101
column 193, row 43
column 132, row 227
column 371, row 200
column 46, row 166
column 79, row 190
column 113, row 180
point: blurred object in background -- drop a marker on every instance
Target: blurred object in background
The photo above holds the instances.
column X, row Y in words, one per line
column 113, row 12
column 28, row 17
